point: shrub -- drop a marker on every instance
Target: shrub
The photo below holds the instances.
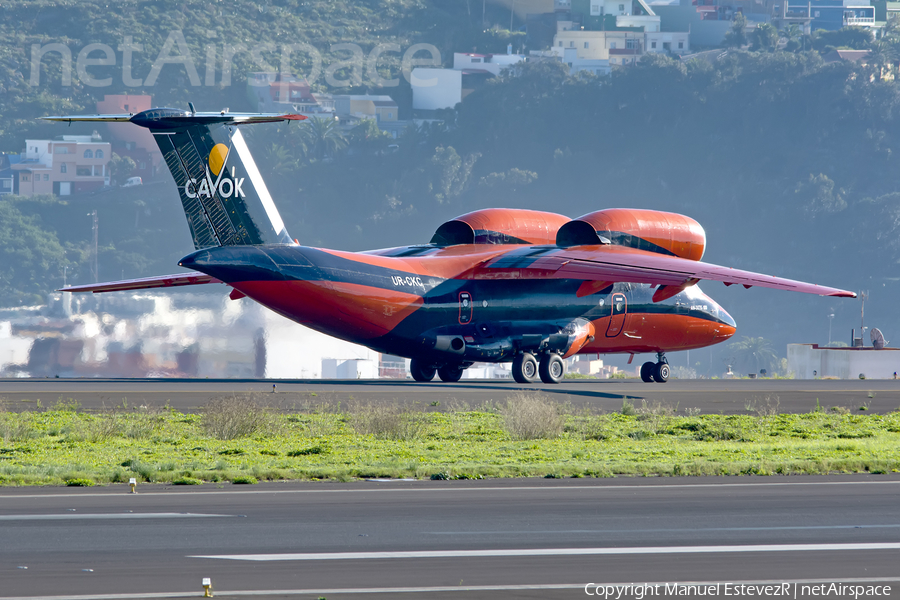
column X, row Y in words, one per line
column 80, row 482
column 16, row 428
column 244, row 479
column 308, row 451
column 531, row 417
column 385, row 421
column 235, row 417
column 185, row 480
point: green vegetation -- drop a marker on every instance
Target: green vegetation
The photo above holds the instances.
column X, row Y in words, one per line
column 528, row 436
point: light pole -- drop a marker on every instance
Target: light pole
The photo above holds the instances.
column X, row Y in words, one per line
column 830, row 320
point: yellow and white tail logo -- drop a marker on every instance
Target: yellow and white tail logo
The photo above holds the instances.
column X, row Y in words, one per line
column 226, row 186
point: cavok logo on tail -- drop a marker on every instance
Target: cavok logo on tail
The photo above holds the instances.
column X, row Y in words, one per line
column 225, row 186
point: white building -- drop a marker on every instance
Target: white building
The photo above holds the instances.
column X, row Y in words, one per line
column 809, row 361
column 490, row 63
column 435, row 89
column 70, row 164
column 634, row 34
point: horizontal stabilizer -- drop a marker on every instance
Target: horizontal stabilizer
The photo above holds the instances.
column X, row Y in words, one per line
column 146, row 283
column 173, row 118
column 225, row 200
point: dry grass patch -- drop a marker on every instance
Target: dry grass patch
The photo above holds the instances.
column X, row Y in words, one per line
column 386, row 421
column 531, row 416
column 229, row 418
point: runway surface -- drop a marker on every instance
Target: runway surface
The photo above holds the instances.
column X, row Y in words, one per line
column 741, row 396
column 471, row 539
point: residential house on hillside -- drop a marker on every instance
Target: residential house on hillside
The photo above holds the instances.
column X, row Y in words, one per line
column 617, row 31
column 435, row 89
column 70, row 164
column 277, row 92
column 351, row 109
column 8, row 177
column 129, row 140
column 832, row 15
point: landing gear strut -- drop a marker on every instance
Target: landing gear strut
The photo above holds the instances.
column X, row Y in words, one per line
column 658, row 372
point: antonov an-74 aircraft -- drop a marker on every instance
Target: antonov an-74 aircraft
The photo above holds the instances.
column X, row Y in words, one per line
column 494, row 285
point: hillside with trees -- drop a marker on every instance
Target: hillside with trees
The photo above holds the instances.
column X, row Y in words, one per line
column 788, row 162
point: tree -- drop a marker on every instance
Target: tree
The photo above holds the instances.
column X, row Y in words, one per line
column 367, row 137
column 449, row 173
column 31, row 259
column 322, row 138
column 765, row 38
column 794, row 36
column 753, row 354
column 848, row 37
column 279, row 159
column 736, row 37
column 821, row 196
column 121, row 167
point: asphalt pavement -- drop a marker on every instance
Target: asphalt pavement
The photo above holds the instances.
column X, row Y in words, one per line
column 711, row 396
column 466, row 539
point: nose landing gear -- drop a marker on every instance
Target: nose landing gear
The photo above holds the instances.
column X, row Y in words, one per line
column 658, row 371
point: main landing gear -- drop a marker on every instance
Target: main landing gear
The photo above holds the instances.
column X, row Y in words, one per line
column 526, row 368
column 658, row 371
column 424, row 371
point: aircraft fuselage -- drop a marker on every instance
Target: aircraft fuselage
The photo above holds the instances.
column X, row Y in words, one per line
column 434, row 302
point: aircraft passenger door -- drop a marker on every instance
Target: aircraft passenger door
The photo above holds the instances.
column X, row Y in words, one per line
column 465, row 308
column 617, row 316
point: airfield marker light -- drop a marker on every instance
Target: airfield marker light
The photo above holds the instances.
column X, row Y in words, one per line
column 132, row 482
column 274, row 388
column 207, row 587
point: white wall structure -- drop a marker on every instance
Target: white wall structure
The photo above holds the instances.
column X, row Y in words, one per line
column 173, row 334
column 492, row 63
column 576, row 65
column 488, row 371
column 358, row 368
column 809, row 361
column 434, row 89
column 293, row 350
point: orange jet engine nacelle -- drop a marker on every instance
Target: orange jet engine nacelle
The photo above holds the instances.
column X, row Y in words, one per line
column 656, row 231
column 500, row 226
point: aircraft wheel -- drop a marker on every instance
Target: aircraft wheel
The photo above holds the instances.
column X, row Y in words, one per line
column 552, row 368
column 647, row 372
column 420, row 370
column 525, row 368
column 661, row 372
column 450, row 373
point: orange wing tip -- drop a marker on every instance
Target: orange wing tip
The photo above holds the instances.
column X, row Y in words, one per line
column 294, row 117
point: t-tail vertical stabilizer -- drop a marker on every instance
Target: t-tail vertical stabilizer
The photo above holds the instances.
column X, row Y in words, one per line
column 225, row 199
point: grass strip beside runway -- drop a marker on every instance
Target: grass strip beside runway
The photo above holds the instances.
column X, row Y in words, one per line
column 239, row 439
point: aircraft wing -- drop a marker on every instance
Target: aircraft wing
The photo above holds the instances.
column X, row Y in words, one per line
column 160, row 281
column 611, row 264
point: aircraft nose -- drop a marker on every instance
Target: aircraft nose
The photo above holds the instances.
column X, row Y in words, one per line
column 726, row 325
